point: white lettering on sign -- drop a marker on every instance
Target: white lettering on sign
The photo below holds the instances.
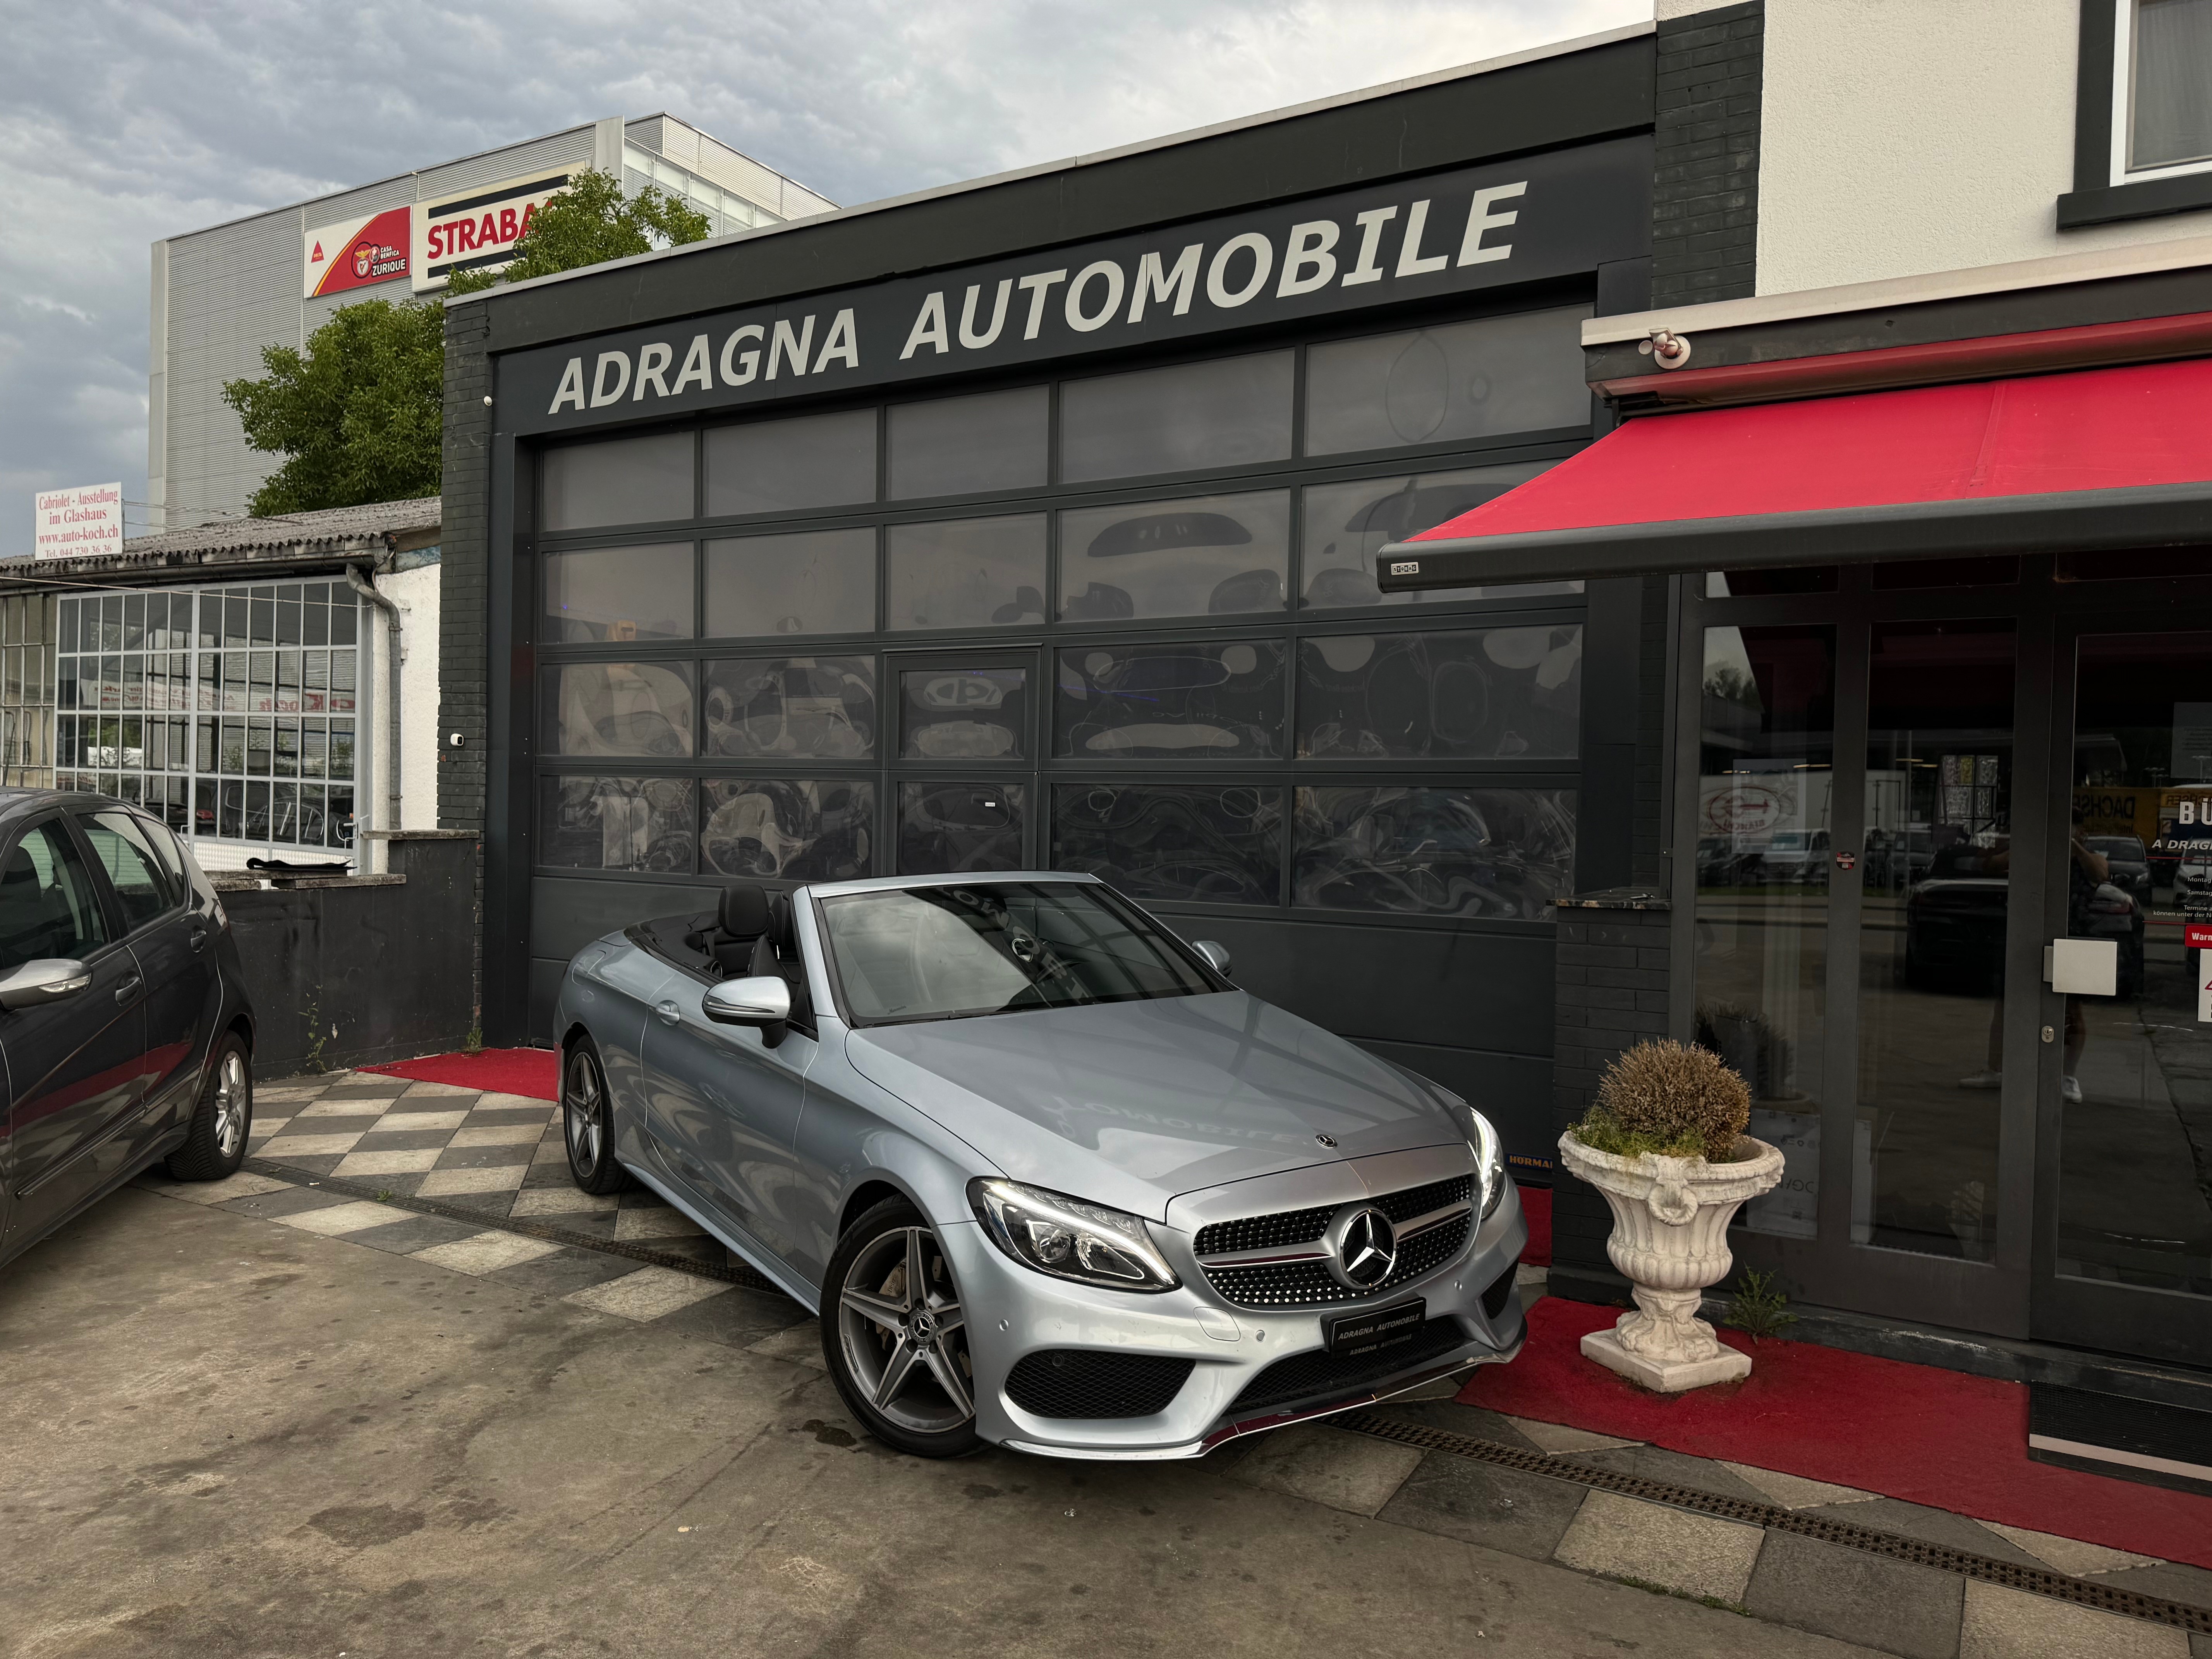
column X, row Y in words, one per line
column 614, row 374
column 477, row 229
column 83, row 519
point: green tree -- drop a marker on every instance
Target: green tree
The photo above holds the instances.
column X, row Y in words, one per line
column 358, row 415
column 588, row 224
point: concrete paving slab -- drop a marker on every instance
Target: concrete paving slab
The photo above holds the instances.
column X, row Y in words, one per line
column 1472, row 1421
column 1794, row 1492
column 492, row 1101
column 347, row 1218
column 1523, row 1515
column 397, row 1161
column 230, row 1441
column 2070, row 1555
column 2170, row 1581
column 415, row 1232
column 1345, row 1471
column 800, row 1344
column 1676, row 1469
column 327, row 1107
column 497, row 1134
column 284, row 1201
column 385, row 1139
column 513, row 1159
column 397, row 1123
column 1899, row 1606
column 439, row 1091
column 640, row 1224
column 648, row 1293
column 550, row 1151
column 1695, row 1554
column 741, row 1319
column 1558, row 1437
column 568, row 1269
column 444, row 1182
column 2010, row 1624
column 562, row 1201
column 1935, row 1526
column 487, row 1252
column 307, row 1145
column 244, row 1184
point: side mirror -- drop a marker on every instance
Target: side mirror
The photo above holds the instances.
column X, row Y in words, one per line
column 762, row 1001
column 49, row 979
column 1216, row 955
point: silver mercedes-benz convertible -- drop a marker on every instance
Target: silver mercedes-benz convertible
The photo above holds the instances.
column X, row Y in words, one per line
column 1050, row 1180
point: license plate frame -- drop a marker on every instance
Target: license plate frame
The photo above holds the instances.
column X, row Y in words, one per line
column 1378, row 1329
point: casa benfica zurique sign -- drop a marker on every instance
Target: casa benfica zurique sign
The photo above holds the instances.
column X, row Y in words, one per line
column 1405, row 239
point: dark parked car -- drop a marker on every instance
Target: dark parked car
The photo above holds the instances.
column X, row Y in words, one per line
column 1955, row 925
column 123, row 1021
column 2129, row 863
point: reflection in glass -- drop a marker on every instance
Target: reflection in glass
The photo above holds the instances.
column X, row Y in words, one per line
column 966, row 573
column 786, row 466
column 1763, row 861
column 1931, row 943
column 792, row 708
column 1500, row 375
column 1347, row 524
column 2135, row 1156
column 948, row 828
column 1787, row 578
column 1220, row 845
column 788, row 829
column 1225, row 412
column 618, row 708
column 961, row 446
column 629, row 480
column 963, row 714
column 1497, row 692
column 821, row 581
column 611, row 824
column 618, row 594
column 2169, row 118
column 1435, row 852
column 1211, row 556
column 1209, row 701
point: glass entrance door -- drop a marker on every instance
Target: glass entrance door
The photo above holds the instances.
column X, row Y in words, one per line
column 2124, row 1252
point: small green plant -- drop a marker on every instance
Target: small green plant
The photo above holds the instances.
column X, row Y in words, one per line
column 312, row 1059
column 473, row 1043
column 1668, row 1099
column 384, row 1194
column 1758, row 1308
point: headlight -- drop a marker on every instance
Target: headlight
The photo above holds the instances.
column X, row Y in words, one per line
column 1489, row 1154
column 1070, row 1239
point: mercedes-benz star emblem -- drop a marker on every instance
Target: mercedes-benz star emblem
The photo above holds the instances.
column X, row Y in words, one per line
column 1325, row 1140
column 1365, row 1246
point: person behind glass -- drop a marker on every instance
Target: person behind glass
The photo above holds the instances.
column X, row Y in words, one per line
column 2087, row 870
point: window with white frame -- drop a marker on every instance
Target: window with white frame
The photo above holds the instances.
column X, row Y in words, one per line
column 229, row 711
column 2161, row 88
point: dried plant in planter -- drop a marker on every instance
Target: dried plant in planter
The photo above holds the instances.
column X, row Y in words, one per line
column 1668, row 1099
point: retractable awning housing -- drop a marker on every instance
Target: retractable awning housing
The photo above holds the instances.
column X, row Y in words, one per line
column 2095, row 458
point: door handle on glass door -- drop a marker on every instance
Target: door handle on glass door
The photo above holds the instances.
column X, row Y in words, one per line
column 669, row 1012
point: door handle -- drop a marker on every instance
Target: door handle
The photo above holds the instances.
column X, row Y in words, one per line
column 669, row 1012
column 199, row 935
column 128, row 989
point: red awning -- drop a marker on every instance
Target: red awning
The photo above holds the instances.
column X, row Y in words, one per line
column 2097, row 458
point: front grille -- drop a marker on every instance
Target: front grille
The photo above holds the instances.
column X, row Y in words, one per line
column 1310, row 1284
column 1403, row 1207
column 1319, row 1375
column 1265, row 1232
column 1085, row 1382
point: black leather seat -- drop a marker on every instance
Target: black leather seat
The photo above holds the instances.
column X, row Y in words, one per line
column 741, row 919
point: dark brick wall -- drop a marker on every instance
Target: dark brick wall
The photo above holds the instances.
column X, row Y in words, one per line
column 463, row 632
column 1611, row 995
column 1705, row 196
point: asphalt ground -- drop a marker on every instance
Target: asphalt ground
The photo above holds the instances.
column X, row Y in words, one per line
column 232, row 1434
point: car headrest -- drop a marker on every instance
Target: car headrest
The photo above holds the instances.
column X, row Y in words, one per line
column 744, row 912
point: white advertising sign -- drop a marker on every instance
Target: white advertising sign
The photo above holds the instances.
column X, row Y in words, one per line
column 72, row 523
column 477, row 229
column 355, row 253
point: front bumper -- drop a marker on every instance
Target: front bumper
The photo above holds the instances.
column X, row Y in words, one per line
column 1014, row 1312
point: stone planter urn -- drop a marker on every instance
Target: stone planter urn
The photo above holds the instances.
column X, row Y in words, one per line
column 1670, row 1219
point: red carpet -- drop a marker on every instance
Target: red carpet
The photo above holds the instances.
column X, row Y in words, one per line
column 1536, row 1205
column 533, row 1071
column 1938, row 1437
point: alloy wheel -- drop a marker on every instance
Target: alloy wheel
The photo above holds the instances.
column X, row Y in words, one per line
column 580, row 1109
column 232, row 1091
column 905, row 1333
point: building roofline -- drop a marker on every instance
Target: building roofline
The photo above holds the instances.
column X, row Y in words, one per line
column 1095, row 158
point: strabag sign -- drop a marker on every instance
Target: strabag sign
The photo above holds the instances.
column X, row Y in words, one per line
column 357, row 252
column 477, row 229
column 1428, row 238
column 83, row 519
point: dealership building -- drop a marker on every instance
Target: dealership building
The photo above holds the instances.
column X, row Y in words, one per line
column 1801, row 658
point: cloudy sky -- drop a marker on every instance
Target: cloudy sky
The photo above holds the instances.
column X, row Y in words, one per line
column 121, row 123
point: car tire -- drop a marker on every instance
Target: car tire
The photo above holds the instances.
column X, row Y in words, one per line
column 222, row 1117
column 588, row 1124
column 900, row 1363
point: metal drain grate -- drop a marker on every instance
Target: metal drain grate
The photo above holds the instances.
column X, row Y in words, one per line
column 1825, row 1528
column 732, row 1272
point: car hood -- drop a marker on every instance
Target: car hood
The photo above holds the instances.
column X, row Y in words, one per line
column 1133, row 1103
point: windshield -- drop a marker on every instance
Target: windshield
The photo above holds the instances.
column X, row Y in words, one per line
column 995, row 948
column 2118, row 847
column 1789, row 840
